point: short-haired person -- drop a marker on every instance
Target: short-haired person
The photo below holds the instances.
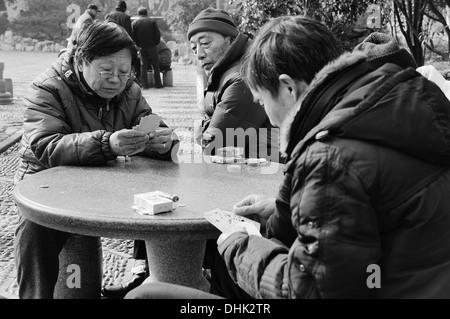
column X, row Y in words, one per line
column 87, row 18
column 228, row 103
column 79, row 112
column 363, row 211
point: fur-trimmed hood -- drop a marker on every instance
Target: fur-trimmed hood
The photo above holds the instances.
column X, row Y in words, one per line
column 344, row 61
column 390, row 106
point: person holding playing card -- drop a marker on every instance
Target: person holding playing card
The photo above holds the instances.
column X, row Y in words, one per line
column 230, row 116
column 81, row 111
column 363, row 208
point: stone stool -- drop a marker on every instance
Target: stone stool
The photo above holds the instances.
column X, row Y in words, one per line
column 167, row 78
column 150, row 79
column 5, row 87
column 80, row 269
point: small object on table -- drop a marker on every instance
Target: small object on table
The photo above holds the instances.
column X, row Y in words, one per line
column 120, row 159
column 227, row 155
column 153, row 203
column 255, row 161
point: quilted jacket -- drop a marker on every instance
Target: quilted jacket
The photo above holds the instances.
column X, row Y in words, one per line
column 365, row 196
column 229, row 104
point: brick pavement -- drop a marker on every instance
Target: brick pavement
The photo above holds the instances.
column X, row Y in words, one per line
column 177, row 105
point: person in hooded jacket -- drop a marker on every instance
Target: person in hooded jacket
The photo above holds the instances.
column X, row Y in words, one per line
column 80, row 112
column 363, row 210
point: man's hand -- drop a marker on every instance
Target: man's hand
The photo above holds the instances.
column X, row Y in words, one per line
column 256, row 207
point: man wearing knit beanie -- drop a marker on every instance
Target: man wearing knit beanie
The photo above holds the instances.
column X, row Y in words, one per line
column 228, row 103
column 382, row 48
column 213, row 20
column 228, row 106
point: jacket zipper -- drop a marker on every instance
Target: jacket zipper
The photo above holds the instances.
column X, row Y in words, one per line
column 100, row 111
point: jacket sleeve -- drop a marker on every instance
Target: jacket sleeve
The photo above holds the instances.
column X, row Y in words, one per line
column 134, row 33
column 127, row 23
column 50, row 135
column 157, row 33
column 337, row 240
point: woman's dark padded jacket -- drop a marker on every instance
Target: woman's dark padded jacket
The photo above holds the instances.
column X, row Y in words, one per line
column 77, row 124
column 367, row 187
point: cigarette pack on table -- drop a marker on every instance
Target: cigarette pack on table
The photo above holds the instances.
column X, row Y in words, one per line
column 153, row 203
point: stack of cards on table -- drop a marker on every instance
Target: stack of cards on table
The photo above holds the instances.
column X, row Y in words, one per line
column 148, row 123
column 227, row 221
column 153, row 203
column 228, row 154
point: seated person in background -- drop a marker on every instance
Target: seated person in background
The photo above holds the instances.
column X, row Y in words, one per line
column 79, row 112
column 381, row 48
column 165, row 56
column 229, row 109
column 363, row 210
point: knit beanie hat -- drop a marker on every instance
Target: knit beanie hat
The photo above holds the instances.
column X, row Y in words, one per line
column 122, row 5
column 382, row 48
column 216, row 20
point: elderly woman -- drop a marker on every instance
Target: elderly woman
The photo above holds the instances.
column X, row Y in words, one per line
column 80, row 112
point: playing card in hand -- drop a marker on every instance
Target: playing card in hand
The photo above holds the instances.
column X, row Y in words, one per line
column 148, row 123
column 227, row 221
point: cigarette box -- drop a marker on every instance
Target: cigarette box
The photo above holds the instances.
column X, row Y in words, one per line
column 153, row 203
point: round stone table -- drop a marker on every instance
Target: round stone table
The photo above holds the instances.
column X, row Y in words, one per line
column 97, row 201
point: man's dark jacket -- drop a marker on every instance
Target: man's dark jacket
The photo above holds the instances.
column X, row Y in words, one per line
column 146, row 33
column 121, row 18
column 365, row 193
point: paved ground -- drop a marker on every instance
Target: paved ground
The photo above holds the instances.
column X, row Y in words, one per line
column 177, row 105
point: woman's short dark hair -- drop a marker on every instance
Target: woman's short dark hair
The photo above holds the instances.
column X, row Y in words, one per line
column 102, row 39
column 292, row 45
